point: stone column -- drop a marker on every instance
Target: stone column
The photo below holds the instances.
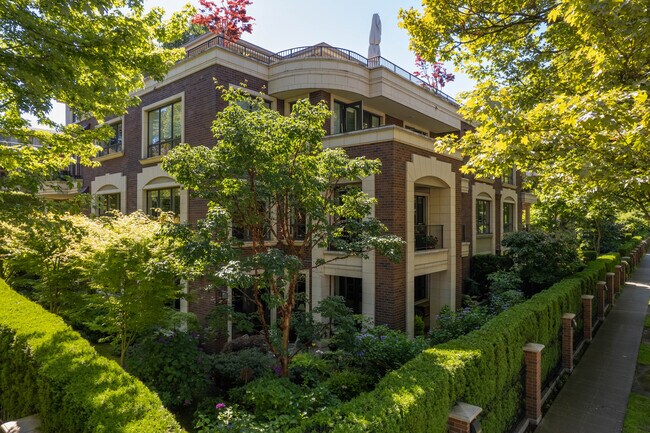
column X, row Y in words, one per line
column 587, row 315
column 611, row 276
column 461, row 417
column 628, row 262
column 567, row 341
column 600, row 299
column 533, row 360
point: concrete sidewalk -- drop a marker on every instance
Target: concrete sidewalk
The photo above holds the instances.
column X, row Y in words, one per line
column 594, row 399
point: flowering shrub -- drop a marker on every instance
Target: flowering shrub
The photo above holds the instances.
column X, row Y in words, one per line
column 382, row 349
column 177, row 355
column 453, row 324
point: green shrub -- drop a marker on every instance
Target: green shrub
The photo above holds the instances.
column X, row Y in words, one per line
column 172, row 364
column 347, row 384
column 483, row 265
column 47, row 368
column 589, row 255
column 382, row 349
column 503, row 281
column 271, row 398
column 307, row 369
column 239, row 368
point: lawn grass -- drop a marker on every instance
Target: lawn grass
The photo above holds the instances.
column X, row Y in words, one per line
column 644, row 354
column 637, row 418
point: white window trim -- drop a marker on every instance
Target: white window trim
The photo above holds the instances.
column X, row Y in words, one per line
column 483, row 191
column 145, row 120
column 118, row 180
column 112, row 122
column 144, row 180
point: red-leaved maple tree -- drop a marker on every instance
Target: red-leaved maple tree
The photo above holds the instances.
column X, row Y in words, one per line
column 434, row 74
column 227, row 18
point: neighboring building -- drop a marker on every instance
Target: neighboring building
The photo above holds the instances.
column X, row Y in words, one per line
column 63, row 184
column 380, row 111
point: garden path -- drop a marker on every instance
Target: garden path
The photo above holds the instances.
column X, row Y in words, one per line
column 594, row 399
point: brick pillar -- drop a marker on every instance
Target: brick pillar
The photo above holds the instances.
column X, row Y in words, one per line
column 533, row 360
column 624, row 272
column 587, row 315
column 600, row 299
column 461, row 417
column 628, row 262
column 567, row 341
column 610, row 288
column 618, row 270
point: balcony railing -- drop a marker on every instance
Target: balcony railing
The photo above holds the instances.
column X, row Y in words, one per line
column 428, row 237
column 323, row 51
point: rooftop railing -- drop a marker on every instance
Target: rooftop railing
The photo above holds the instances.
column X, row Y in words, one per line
column 323, row 51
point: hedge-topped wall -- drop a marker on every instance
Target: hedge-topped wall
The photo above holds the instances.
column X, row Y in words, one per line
column 47, row 368
column 482, row 368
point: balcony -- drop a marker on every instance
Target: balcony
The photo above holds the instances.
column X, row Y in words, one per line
column 428, row 237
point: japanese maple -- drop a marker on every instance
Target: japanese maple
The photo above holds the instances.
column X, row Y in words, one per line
column 434, row 74
column 227, row 18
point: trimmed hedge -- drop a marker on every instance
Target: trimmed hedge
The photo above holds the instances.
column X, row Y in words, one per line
column 47, row 368
column 482, row 368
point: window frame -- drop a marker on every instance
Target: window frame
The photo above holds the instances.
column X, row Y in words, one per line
column 179, row 97
column 107, row 145
column 175, row 200
column 483, row 217
column 101, row 209
column 510, row 227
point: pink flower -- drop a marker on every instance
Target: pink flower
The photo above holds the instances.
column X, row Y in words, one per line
column 220, row 405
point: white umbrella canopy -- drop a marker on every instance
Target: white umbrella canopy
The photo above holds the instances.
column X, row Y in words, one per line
column 375, row 37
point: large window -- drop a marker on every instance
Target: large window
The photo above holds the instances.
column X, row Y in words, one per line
column 483, row 217
column 112, row 145
column 351, row 291
column 165, row 200
column 351, row 117
column 298, row 227
column 508, row 217
column 370, row 120
column 347, row 117
column 164, row 129
column 107, row 203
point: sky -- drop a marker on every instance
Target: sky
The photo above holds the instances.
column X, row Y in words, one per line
column 284, row 24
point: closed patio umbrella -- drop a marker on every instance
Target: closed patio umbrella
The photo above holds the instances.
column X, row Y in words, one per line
column 374, row 51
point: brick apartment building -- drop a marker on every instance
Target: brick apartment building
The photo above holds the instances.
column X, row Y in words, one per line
column 380, row 111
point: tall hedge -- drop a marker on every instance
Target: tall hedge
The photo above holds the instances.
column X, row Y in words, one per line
column 47, row 368
column 482, row 368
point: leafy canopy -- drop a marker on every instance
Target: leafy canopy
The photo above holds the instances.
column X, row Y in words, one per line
column 91, row 56
column 561, row 89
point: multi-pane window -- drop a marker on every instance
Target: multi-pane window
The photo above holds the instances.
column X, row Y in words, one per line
column 107, row 203
column 163, row 200
column 508, row 217
column 164, row 129
column 114, row 144
column 483, row 217
column 351, row 291
column 346, row 117
column 351, row 117
column 370, row 120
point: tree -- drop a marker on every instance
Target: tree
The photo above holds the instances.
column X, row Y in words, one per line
column 133, row 274
column 561, row 89
column 41, row 255
column 434, row 74
column 90, row 56
column 229, row 20
column 269, row 177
